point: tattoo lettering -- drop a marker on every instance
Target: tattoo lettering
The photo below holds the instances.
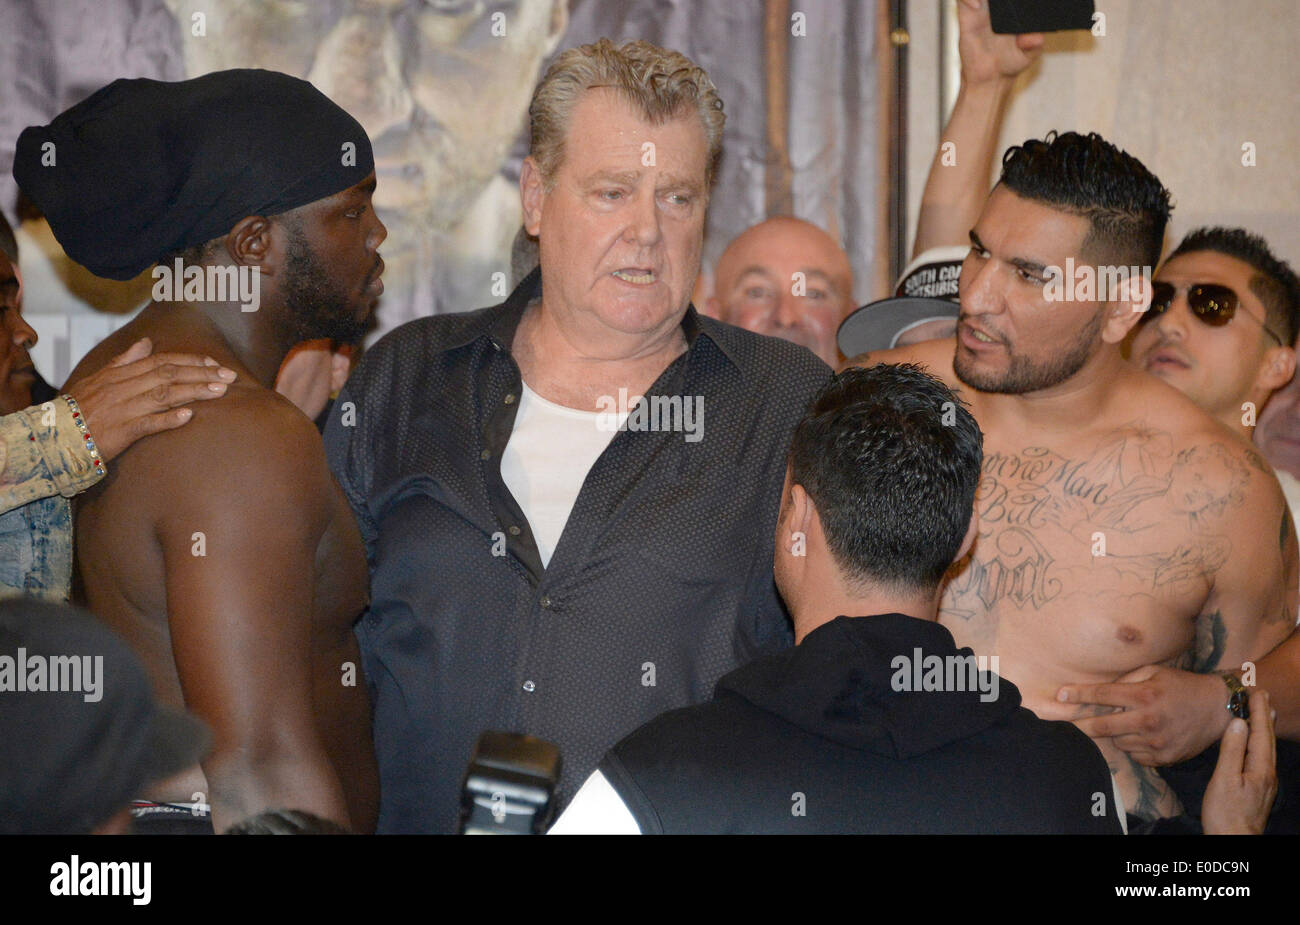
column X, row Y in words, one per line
column 1132, row 492
column 1016, row 572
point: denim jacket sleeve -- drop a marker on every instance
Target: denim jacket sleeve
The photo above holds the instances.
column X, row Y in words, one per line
column 43, row 452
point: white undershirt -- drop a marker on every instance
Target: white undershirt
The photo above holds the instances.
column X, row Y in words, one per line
column 548, row 456
column 597, row 809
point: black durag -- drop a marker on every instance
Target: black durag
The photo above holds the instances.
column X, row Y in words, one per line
column 143, row 168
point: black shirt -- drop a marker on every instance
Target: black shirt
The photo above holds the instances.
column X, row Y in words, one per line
column 660, row 584
column 826, row 738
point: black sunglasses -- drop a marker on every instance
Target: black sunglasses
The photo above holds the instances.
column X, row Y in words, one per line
column 1213, row 304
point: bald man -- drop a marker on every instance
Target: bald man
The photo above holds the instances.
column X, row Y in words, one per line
column 787, row 278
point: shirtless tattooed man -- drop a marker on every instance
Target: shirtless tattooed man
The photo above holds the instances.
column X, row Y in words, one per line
column 224, row 552
column 1120, row 525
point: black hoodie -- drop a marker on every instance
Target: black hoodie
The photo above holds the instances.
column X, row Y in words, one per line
column 829, row 737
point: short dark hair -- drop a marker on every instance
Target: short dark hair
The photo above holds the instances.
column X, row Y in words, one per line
column 1086, row 175
column 891, row 459
column 1274, row 283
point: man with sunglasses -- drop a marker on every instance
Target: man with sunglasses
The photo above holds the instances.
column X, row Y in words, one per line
column 1120, row 526
column 1224, row 312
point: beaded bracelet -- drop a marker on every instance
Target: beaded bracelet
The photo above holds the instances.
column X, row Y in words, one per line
column 85, row 434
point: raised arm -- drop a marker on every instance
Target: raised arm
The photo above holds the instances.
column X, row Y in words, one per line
column 241, row 612
column 958, row 182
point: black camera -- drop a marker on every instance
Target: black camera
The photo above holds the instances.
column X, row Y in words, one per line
column 510, row 785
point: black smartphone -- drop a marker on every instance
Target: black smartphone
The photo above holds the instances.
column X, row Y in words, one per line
column 1014, row 17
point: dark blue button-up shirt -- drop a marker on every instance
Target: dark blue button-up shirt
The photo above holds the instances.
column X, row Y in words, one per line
column 660, row 584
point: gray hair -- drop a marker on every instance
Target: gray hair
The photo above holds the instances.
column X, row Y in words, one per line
column 662, row 84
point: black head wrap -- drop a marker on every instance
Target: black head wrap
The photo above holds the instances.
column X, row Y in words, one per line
column 143, row 168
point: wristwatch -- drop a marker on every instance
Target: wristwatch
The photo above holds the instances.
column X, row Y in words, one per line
column 1239, row 698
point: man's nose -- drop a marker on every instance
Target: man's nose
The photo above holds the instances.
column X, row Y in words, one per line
column 24, row 334
column 981, row 288
column 643, row 220
column 378, row 233
column 1172, row 322
column 789, row 308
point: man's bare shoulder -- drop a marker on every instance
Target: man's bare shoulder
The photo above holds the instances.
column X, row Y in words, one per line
column 935, row 355
column 1190, row 426
column 102, row 353
column 251, row 444
column 1210, row 462
column 1136, row 389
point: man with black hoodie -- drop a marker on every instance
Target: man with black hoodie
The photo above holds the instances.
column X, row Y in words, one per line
column 874, row 722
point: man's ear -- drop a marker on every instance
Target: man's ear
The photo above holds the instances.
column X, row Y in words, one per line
column 251, row 243
column 969, row 540
column 1277, row 369
column 802, row 516
column 1127, row 306
column 531, row 196
column 798, row 514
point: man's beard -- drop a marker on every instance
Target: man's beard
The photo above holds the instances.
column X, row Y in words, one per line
column 1024, row 375
column 317, row 304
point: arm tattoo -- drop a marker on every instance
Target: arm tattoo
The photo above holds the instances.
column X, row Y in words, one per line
column 1152, row 792
column 1211, row 642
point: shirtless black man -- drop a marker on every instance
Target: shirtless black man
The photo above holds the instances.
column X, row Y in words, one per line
column 224, row 552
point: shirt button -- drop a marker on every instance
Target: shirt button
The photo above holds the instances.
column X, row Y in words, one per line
column 510, row 398
column 545, row 602
column 530, row 686
column 514, row 531
column 486, row 454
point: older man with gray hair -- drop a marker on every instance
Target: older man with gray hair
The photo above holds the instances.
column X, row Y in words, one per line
column 569, row 499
